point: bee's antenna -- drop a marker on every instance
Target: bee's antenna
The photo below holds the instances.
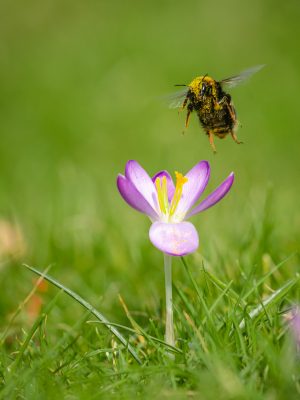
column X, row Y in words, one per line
column 179, row 85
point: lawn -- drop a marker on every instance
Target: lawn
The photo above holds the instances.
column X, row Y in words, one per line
column 83, row 90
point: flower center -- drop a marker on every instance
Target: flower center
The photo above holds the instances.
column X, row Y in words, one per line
column 162, row 193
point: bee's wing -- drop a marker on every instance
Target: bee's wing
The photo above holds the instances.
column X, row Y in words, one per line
column 242, row 77
column 176, row 99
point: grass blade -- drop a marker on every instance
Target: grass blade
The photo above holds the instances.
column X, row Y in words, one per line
column 89, row 307
column 39, row 320
column 263, row 279
column 274, row 298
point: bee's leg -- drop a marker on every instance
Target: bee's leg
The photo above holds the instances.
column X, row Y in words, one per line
column 211, row 140
column 234, row 137
column 184, row 104
column 230, row 108
column 232, row 113
column 187, row 119
column 218, row 104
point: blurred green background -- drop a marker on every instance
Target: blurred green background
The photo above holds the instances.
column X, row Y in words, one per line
column 81, row 90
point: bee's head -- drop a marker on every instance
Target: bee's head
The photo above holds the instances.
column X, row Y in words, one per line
column 205, row 86
column 201, row 86
column 203, row 89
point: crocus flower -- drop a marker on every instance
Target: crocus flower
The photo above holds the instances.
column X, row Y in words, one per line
column 168, row 206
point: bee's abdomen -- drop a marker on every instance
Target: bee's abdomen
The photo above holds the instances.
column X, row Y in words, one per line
column 220, row 121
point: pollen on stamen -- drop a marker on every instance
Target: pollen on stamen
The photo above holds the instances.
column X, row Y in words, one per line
column 180, row 181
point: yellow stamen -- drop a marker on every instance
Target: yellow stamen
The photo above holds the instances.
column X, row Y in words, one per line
column 165, row 193
column 180, row 181
column 162, row 194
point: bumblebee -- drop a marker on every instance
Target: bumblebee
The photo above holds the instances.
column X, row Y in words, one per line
column 212, row 104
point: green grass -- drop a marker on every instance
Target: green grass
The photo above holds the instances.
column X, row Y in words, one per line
column 232, row 340
column 81, row 88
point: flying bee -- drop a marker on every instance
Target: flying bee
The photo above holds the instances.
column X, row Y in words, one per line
column 212, row 104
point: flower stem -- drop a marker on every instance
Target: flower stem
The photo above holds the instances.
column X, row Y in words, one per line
column 169, row 336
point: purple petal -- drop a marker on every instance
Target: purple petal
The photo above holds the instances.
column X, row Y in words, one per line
column 170, row 183
column 142, row 182
column 214, row 197
column 198, row 178
column 174, row 239
column 134, row 198
column 294, row 321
